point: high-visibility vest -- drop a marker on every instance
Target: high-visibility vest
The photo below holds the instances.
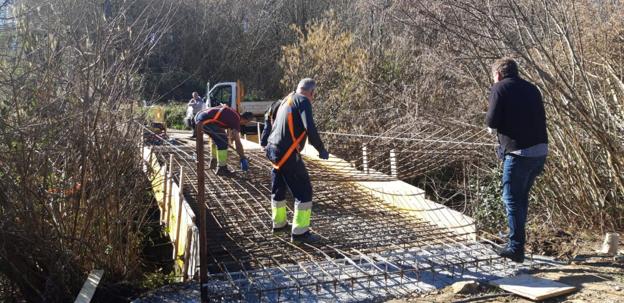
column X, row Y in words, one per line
column 291, row 128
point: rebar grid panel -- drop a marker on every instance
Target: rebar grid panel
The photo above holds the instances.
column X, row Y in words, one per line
column 355, row 227
column 361, row 277
column 419, row 147
column 351, row 215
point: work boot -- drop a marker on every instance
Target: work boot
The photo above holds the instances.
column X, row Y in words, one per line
column 223, row 171
column 506, row 252
column 213, row 163
column 306, row 237
column 281, row 230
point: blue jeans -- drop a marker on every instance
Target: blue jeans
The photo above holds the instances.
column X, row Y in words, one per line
column 519, row 173
column 292, row 175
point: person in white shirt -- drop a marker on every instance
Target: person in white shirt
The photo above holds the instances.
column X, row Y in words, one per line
column 194, row 106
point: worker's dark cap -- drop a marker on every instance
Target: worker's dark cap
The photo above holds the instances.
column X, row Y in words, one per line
column 247, row 116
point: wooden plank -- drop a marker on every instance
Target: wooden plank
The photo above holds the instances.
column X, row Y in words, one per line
column 179, row 215
column 89, row 286
column 164, row 198
column 534, row 288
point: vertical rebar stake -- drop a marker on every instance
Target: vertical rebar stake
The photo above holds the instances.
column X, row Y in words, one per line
column 393, row 164
column 364, row 159
column 258, row 131
column 203, row 249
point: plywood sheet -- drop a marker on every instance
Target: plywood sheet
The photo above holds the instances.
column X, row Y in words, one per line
column 532, row 287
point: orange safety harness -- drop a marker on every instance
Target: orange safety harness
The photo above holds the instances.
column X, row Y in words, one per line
column 296, row 140
column 215, row 119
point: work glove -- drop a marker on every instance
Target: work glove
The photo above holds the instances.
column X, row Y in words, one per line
column 244, row 164
column 324, row 155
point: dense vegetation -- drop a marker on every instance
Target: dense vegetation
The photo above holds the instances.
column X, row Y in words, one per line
column 72, row 71
column 402, row 59
column 73, row 194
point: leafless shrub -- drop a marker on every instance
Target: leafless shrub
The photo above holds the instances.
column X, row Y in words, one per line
column 432, row 58
column 72, row 190
column 576, row 64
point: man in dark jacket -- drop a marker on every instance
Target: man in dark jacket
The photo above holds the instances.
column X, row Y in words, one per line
column 292, row 124
column 516, row 114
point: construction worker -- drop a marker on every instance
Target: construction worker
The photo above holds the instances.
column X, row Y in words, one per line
column 516, row 114
column 194, row 106
column 292, row 124
column 215, row 121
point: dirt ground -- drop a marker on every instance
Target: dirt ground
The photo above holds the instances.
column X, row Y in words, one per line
column 597, row 278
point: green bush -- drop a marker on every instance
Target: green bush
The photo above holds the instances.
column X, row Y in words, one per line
column 174, row 115
column 488, row 212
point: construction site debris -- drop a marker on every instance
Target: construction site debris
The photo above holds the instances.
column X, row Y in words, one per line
column 534, row 288
column 465, row 287
column 610, row 244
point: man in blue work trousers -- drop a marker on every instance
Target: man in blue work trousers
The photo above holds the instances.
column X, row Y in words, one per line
column 516, row 114
column 292, row 124
column 215, row 121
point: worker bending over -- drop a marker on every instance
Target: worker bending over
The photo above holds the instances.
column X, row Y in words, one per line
column 292, row 124
column 215, row 121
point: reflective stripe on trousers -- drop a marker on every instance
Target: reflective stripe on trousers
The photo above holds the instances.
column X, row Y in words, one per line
column 278, row 212
column 218, row 146
column 301, row 219
column 220, row 155
column 294, row 176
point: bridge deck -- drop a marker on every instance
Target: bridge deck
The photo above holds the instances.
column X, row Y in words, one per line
column 364, row 238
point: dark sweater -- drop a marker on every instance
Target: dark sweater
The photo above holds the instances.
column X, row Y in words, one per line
column 302, row 120
column 516, row 111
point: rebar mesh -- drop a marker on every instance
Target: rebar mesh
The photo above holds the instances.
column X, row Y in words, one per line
column 415, row 147
column 364, row 239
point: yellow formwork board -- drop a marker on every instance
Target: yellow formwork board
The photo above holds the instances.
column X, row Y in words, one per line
column 174, row 208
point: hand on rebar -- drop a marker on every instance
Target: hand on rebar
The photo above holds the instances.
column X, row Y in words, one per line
column 244, row 164
column 324, row 155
